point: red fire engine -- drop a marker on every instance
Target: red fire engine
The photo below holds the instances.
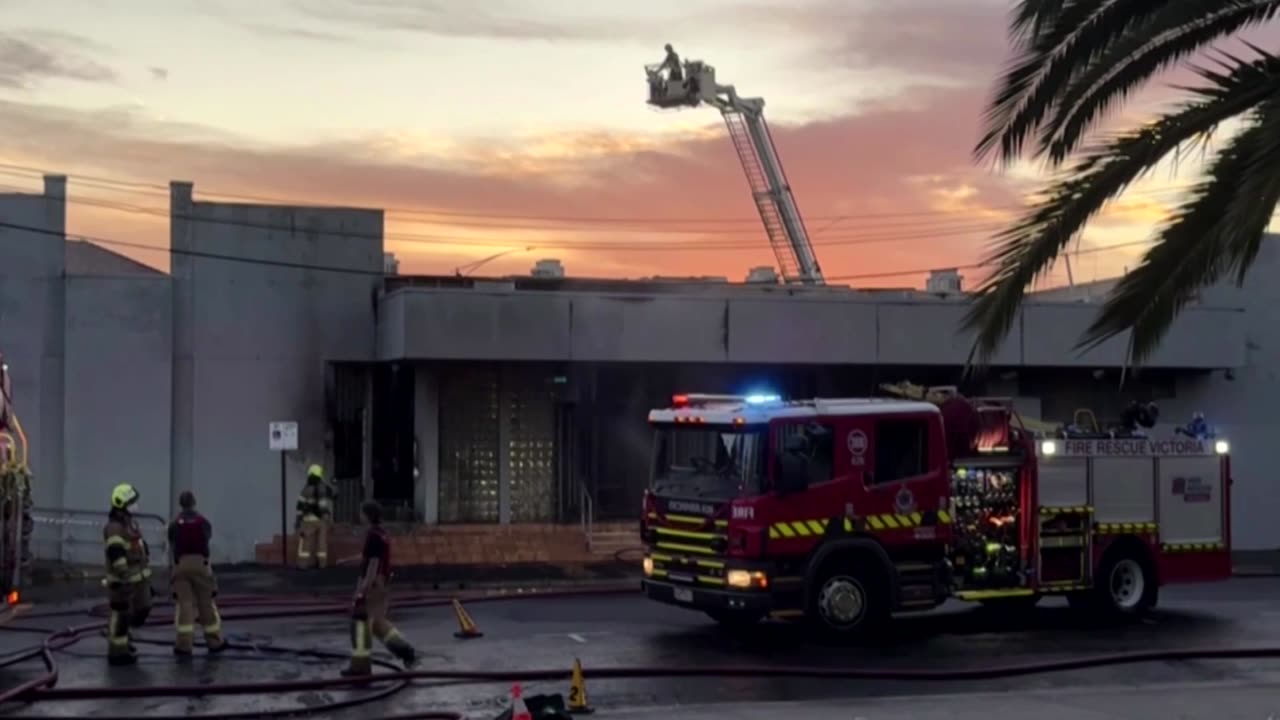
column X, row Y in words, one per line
column 842, row 511
column 15, row 499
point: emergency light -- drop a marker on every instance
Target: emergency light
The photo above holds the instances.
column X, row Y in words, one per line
column 763, row 399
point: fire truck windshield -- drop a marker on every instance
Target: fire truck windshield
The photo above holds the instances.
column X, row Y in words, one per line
column 708, row 462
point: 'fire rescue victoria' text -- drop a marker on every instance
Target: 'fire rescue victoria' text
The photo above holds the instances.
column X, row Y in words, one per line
column 1134, row 446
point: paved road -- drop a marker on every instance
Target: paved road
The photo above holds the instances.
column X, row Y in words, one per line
column 625, row 631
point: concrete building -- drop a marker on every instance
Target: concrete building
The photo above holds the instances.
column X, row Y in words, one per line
column 461, row 401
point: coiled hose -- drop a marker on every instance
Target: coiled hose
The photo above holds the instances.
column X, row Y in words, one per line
column 42, row 688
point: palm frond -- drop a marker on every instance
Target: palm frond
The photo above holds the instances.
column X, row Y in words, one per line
column 1027, row 249
column 1217, row 231
column 1130, row 63
column 1031, row 18
column 1083, row 32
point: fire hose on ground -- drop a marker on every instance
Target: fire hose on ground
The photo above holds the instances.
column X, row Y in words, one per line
column 42, row 688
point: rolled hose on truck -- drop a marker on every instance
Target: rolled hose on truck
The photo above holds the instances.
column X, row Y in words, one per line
column 42, row 689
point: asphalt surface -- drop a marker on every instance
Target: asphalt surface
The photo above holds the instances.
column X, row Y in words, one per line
column 630, row 631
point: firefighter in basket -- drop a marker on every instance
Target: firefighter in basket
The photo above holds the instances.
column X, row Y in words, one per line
column 194, row 587
column 128, row 577
column 372, row 600
column 311, row 523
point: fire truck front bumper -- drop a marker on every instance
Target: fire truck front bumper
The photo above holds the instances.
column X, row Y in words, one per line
column 703, row 598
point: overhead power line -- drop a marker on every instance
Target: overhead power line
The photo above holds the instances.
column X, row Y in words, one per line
column 109, row 242
column 664, row 245
column 489, row 220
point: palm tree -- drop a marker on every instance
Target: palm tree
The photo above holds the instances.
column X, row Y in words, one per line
column 1076, row 60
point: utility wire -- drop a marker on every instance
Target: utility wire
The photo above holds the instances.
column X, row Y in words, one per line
column 453, row 217
column 627, row 245
column 108, row 242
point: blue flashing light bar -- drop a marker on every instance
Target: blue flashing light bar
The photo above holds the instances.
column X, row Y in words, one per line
column 761, row 399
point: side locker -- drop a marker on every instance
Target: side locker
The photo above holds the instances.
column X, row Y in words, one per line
column 1065, row 524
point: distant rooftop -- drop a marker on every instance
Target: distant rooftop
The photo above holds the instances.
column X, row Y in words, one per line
column 87, row 259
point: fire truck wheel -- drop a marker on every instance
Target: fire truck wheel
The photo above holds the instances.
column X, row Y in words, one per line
column 1126, row 585
column 735, row 619
column 848, row 602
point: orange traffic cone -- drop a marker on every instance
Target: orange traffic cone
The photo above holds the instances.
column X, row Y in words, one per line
column 466, row 626
column 519, row 711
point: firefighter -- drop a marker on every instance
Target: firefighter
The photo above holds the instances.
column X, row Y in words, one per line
column 314, row 508
column 671, row 63
column 369, row 608
column 128, row 579
column 194, row 587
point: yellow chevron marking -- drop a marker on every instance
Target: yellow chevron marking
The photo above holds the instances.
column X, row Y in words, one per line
column 686, row 548
column 686, row 534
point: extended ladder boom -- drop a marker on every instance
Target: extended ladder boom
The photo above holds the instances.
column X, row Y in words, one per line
column 753, row 142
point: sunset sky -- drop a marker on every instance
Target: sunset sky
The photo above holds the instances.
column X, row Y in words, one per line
column 468, row 121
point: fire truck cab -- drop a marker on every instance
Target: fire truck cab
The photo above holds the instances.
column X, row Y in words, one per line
column 15, row 500
column 843, row 511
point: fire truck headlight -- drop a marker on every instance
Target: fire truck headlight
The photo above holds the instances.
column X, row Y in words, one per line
column 746, row 579
column 648, row 566
column 1222, row 447
column 1048, row 447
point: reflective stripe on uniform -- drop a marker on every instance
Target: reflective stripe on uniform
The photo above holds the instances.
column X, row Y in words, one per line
column 126, row 579
column 117, row 635
column 117, row 540
column 360, row 636
column 216, row 627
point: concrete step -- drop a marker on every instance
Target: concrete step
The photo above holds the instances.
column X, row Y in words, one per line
column 632, row 540
column 629, row 534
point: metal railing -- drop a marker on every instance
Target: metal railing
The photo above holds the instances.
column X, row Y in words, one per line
column 73, row 538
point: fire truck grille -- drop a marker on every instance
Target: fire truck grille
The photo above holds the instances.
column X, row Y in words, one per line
column 688, row 549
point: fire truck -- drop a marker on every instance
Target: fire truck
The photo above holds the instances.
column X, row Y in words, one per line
column 843, row 511
column 15, row 500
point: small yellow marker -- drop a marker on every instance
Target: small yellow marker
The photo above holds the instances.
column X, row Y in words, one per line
column 578, row 704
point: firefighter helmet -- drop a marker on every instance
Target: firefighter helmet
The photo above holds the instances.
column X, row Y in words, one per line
column 123, row 496
column 315, row 471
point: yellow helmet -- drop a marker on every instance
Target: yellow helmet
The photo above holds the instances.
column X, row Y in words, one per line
column 123, row 496
column 315, row 471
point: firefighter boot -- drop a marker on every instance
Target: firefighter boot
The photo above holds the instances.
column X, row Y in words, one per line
column 401, row 648
column 120, row 650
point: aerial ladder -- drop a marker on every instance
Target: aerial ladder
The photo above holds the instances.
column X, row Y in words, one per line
column 675, row 85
